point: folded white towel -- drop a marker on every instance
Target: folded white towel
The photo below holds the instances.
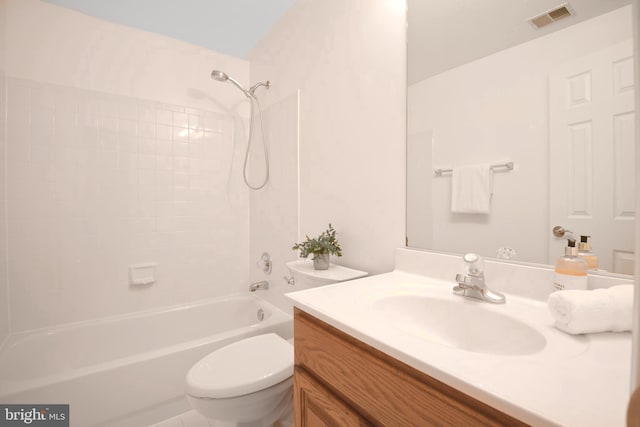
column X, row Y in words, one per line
column 599, row 310
column 471, row 189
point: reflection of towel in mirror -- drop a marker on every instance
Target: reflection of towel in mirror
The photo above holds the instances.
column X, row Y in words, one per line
column 471, row 189
column 599, row 310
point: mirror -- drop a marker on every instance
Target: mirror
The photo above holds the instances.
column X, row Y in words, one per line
column 487, row 87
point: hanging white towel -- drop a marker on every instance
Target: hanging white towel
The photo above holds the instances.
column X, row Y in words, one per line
column 471, row 189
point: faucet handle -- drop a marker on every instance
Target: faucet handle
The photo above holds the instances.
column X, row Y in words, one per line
column 265, row 263
column 474, row 263
column 470, row 257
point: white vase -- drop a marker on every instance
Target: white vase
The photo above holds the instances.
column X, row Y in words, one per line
column 321, row 262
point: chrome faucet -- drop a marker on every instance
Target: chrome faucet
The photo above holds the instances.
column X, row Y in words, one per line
column 472, row 284
column 259, row 285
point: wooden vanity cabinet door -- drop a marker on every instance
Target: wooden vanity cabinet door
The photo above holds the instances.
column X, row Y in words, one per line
column 341, row 381
column 316, row 406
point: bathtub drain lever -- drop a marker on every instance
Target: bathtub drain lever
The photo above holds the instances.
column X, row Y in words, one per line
column 259, row 285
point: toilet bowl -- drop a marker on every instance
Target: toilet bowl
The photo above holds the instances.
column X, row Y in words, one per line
column 247, row 383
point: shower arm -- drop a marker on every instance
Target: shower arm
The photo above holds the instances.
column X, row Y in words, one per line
column 266, row 84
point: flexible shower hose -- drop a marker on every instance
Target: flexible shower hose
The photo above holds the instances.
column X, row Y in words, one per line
column 264, row 145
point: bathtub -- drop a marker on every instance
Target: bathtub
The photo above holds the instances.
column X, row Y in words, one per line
column 128, row 370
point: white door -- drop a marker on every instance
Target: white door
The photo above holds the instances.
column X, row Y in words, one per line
column 592, row 154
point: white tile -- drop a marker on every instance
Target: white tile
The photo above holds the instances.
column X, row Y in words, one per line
column 181, row 120
column 42, row 117
column 43, row 97
column 196, row 135
column 146, row 112
column 164, row 177
column 128, row 110
column 67, row 100
column 171, row 422
column 194, row 419
column 181, row 194
column 181, row 164
column 163, row 117
column 147, row 161
column 108, row 108
column 181, row 148
column 128, row 143
column 164, row 163
column 196, row 150
column 180, row 134
column 164, row 147
column 108, row 123
column 195, row 121
column 163, row 132
column 212, row 121
column 128, row 127
column 196, row 166
column 146, row 130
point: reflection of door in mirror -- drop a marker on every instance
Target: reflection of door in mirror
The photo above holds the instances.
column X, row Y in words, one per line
column 592, row 154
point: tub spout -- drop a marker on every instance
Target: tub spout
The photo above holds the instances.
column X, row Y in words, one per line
column 259, row 285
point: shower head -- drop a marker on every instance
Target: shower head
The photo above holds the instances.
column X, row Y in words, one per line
column 221, row 76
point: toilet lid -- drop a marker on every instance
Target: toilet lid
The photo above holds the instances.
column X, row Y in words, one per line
column 243, row 367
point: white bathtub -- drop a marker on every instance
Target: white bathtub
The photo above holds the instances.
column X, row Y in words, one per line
column 128, row 370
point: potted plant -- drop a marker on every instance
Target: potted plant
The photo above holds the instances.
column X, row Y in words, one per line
column 320, row 247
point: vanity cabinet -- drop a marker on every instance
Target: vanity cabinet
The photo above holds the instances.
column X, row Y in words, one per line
column 341, row 381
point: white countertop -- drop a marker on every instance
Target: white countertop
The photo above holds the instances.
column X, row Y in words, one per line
column 573, row 381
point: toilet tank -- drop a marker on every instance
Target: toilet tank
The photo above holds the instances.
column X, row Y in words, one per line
column 305, row 276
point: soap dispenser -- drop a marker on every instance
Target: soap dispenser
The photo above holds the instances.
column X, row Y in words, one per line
column 571, row 270
column 584, row 252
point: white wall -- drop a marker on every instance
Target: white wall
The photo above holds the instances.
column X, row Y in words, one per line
column 347, row 59
column 4, row 296
column 635, row 350
column 496, row 109
column 121, row 150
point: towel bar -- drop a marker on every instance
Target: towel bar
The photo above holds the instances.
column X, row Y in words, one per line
column 508, row 166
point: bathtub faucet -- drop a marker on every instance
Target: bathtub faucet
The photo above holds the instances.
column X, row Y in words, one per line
column 259, row 285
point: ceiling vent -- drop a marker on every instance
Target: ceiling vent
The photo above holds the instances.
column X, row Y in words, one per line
column 553, row 15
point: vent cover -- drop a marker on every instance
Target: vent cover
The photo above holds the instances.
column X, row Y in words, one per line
column 553, row 15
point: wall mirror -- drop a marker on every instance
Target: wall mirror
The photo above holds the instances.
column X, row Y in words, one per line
column 553, row 96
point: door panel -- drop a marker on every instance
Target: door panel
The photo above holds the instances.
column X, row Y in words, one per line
column 592, row 153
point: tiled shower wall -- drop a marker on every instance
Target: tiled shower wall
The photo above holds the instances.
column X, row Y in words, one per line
column 97, row 182
column 274, row 209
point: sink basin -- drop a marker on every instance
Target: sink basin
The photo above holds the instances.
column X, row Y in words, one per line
column 464, row 324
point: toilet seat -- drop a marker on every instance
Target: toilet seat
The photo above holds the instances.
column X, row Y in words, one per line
column 243, row 367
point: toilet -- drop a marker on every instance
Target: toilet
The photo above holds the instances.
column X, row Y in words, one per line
column 249, row 383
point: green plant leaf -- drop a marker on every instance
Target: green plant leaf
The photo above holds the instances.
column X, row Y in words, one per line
column 325, row 243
